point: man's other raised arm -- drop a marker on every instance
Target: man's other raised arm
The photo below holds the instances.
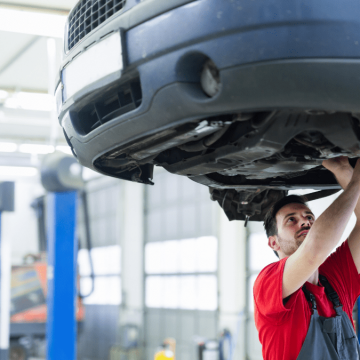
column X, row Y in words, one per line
column 323, row 236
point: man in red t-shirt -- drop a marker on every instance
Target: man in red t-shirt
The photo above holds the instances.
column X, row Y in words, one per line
column 288, row 323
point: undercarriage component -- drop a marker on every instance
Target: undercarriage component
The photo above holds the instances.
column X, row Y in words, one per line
column 275, row 149
column 253, row 205
column 242, row 205
column 134, row 161
column 320, row 194
column 206, row 142
column 249, row 160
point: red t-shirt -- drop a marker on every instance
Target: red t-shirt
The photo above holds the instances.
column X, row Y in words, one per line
column 283, row 328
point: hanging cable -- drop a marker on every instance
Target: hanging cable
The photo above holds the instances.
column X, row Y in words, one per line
column 83, row 196
column 225, row 345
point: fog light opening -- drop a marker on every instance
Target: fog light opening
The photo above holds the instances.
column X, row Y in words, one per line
column 210, row 79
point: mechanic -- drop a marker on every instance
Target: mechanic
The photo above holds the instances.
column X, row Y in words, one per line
column 304, row 301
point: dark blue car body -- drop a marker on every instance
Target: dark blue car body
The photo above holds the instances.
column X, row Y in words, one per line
column 298, row 61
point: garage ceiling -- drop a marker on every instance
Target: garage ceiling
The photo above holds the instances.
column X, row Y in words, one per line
column 24, row 67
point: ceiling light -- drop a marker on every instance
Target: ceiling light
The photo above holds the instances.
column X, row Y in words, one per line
column 14, row 171
column 36, row 149
column 8, row 147
column 31, row 101
column 33, row 23
column 3, row 94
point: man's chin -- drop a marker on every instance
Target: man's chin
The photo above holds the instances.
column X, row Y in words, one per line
column 299, row 241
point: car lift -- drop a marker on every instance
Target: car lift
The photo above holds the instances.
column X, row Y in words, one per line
column 62, row 290
column 61, row 177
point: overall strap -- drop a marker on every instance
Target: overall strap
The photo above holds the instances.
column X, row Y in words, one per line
column 309, row 297
column 330, row 292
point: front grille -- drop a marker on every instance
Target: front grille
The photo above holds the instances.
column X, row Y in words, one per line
column 111, row 105
column 88, row 15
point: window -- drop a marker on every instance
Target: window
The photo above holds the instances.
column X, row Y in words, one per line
column 107, row 268
column 181, row 274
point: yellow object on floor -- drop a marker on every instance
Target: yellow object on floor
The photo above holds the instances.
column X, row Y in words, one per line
column 164, row 355
column 167, row 350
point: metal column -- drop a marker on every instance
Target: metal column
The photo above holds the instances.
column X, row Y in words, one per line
column 5, row 273
column 62, row 275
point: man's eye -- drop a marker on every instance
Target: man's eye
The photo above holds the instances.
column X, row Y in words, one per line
column 291, row 219
column 310, row 217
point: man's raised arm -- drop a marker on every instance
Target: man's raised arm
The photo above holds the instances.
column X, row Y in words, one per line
column 343, row 172
column 323, row 236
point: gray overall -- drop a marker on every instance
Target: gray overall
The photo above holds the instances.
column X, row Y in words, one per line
column 329, row 338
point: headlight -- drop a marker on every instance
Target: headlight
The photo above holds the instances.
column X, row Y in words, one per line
column 100, row 60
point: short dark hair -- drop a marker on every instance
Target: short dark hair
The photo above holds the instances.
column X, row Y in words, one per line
column 270, row 224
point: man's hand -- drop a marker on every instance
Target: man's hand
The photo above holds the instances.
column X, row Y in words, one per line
column 341, row 168
column 337, row 164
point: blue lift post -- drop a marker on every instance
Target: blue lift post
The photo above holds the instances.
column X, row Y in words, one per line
column 7, row 190
column 61, row 176
column 62, row 275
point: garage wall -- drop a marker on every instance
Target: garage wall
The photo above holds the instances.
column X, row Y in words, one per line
column 180, row 223
column 100, row 328
column 19, row 228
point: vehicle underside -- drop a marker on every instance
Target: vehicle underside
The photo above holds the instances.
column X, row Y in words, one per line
column 246, row 98
column 248, row 160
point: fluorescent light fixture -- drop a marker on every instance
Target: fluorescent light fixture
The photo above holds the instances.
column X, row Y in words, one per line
column 33, row 23
column 36, row 149
column 31, row 101
column 8, row 147
column 14, row 171
column 100, row 60
column 3, row 94
column 64, row 149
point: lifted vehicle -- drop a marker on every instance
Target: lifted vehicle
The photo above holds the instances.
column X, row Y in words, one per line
column 245, row 97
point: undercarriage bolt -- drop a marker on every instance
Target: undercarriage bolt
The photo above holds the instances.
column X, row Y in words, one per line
column 210, row 79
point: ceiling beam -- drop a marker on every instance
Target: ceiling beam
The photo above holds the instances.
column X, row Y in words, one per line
column 34, row 8
column 16, row 89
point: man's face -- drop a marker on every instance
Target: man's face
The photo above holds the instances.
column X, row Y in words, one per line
column 293, row 223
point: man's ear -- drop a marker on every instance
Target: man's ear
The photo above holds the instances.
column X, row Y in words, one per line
column 273, row 243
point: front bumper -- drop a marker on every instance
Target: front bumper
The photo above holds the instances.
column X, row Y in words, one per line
column 271, row 55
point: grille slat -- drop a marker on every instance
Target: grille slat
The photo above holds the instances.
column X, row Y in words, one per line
column 88, row 15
